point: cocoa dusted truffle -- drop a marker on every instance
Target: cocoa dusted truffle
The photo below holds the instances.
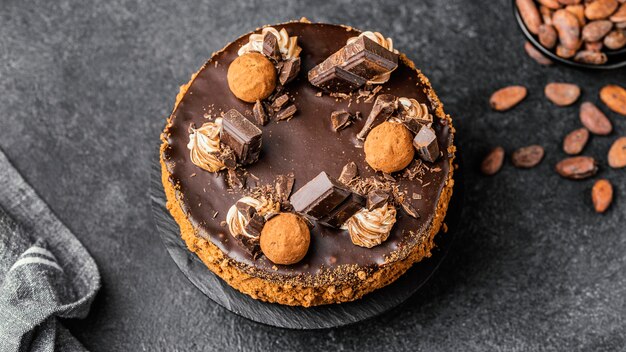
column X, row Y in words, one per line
column 285, row 239
column 388, row 147
column 251, row 77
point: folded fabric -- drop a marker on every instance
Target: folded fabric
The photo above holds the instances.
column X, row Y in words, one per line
column 45, row 272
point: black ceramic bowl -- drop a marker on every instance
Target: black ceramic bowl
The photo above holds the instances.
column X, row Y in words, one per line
column 616, row 58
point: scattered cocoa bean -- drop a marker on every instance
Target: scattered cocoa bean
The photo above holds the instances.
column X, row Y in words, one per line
column 620, row 14
column 547, row 36
column 615, row 40
column 593, row 46
column 600, row 9
column 536, row 55
column 596, row 30
column 527, row 157
column 568, row 28
column 591, row 57
column 594, row 119
column 617, row 153
column 551, row 4
column 578, row 10
column 564, row 52
column 614, row 97
column 575, row 141
column 530, row 15
column 601, row 195
column 493, row 161
column 562, row 94
column 505, row 98
column 577, row 167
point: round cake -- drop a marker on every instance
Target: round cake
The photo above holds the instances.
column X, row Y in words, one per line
column 308, row 163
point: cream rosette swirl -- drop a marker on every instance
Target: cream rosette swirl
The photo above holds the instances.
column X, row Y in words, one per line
column 416, row 110
column 204, row 146
column 237, row 221
column 369, row 228
column 288, row 45
column 386, row 43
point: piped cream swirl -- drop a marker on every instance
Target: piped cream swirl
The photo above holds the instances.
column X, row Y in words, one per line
column 416, row 110
column 204, row 146
column 237, row 221
column 288, row 45
column 371, row 228
column 386, row 43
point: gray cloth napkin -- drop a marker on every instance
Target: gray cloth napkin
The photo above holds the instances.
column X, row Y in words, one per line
column 45, row 272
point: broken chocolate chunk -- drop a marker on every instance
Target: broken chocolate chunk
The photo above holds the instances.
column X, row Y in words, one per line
column 289, row 70
column 340, row 119
column 376, row 199
column 280, row 101
column 348, row 173
column 235, row 180
column 246, row 210
column 344, row 211
column 384, row 106
column 284, row 186
column 249, row 244
column 270, row 47
column 259, row 114
column 319, row 197
column 425, row 142
column 255, row 225
column 337, row 80
column 286, row 113
column 409, row 210
column 228, row 157
column 363, row 58
column 242, row 136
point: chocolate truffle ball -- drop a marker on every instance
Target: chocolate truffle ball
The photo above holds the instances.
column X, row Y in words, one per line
column 388, row 147
column 285, row 239
column 251, row 77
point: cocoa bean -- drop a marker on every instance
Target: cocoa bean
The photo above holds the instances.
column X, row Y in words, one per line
column 568, row 28
column 530, row 15
column 575, row 141
column 536, row 55
column 596, row 30
column 601, row 195
column 614, row 97
column 551, row 4
column 579, row 12
column 564, row 52
column 593, row 46
column 615, row 40
column 546, row 14
column 577, row 167
column 527, row 157
column 569, row 2
column 562, row 94
column 620, row 25
column 594, row 119
column 600, row 9
column 507, row 97
column 493, row 161
column 591, row 57
column 617, row 153
column 547, row 36
column 619, row 15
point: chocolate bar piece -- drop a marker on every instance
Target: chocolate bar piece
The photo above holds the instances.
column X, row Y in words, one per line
column 286, row 113
column 281, row 100
column 255, row 225
column 348, row 173
column 289, row 70
column 242, row 136
column 259, row 114
column 337, row 79
column 363, row 58
column 425, row 142
column 384, row 106
column 376, row 199
column 340, row 119
column 409, row 210
column 344, row 211
column 319, row 197
column 270, row 47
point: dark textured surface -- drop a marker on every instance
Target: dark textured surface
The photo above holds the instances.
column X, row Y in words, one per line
column 85, row 89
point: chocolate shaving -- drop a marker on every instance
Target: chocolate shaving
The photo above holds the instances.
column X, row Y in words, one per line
column 234, row 180
column 340, row 119
column 280, row 101
column 289, row 70
column 286, row 113
column 409, row 210
column 348, row 173
column 384, row 106
column 259, row 113
column 284, row 186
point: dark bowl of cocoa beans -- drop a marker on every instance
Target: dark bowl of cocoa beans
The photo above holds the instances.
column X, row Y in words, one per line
column 587, row 34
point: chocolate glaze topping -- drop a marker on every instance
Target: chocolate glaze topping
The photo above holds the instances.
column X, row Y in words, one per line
column 304, row 146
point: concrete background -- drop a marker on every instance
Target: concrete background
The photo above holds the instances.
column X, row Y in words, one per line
column 85, row 87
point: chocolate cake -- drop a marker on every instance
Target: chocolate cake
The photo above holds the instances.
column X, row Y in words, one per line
column 308, row 163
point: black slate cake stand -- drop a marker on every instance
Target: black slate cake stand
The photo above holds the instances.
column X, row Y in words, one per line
column 320, row 317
